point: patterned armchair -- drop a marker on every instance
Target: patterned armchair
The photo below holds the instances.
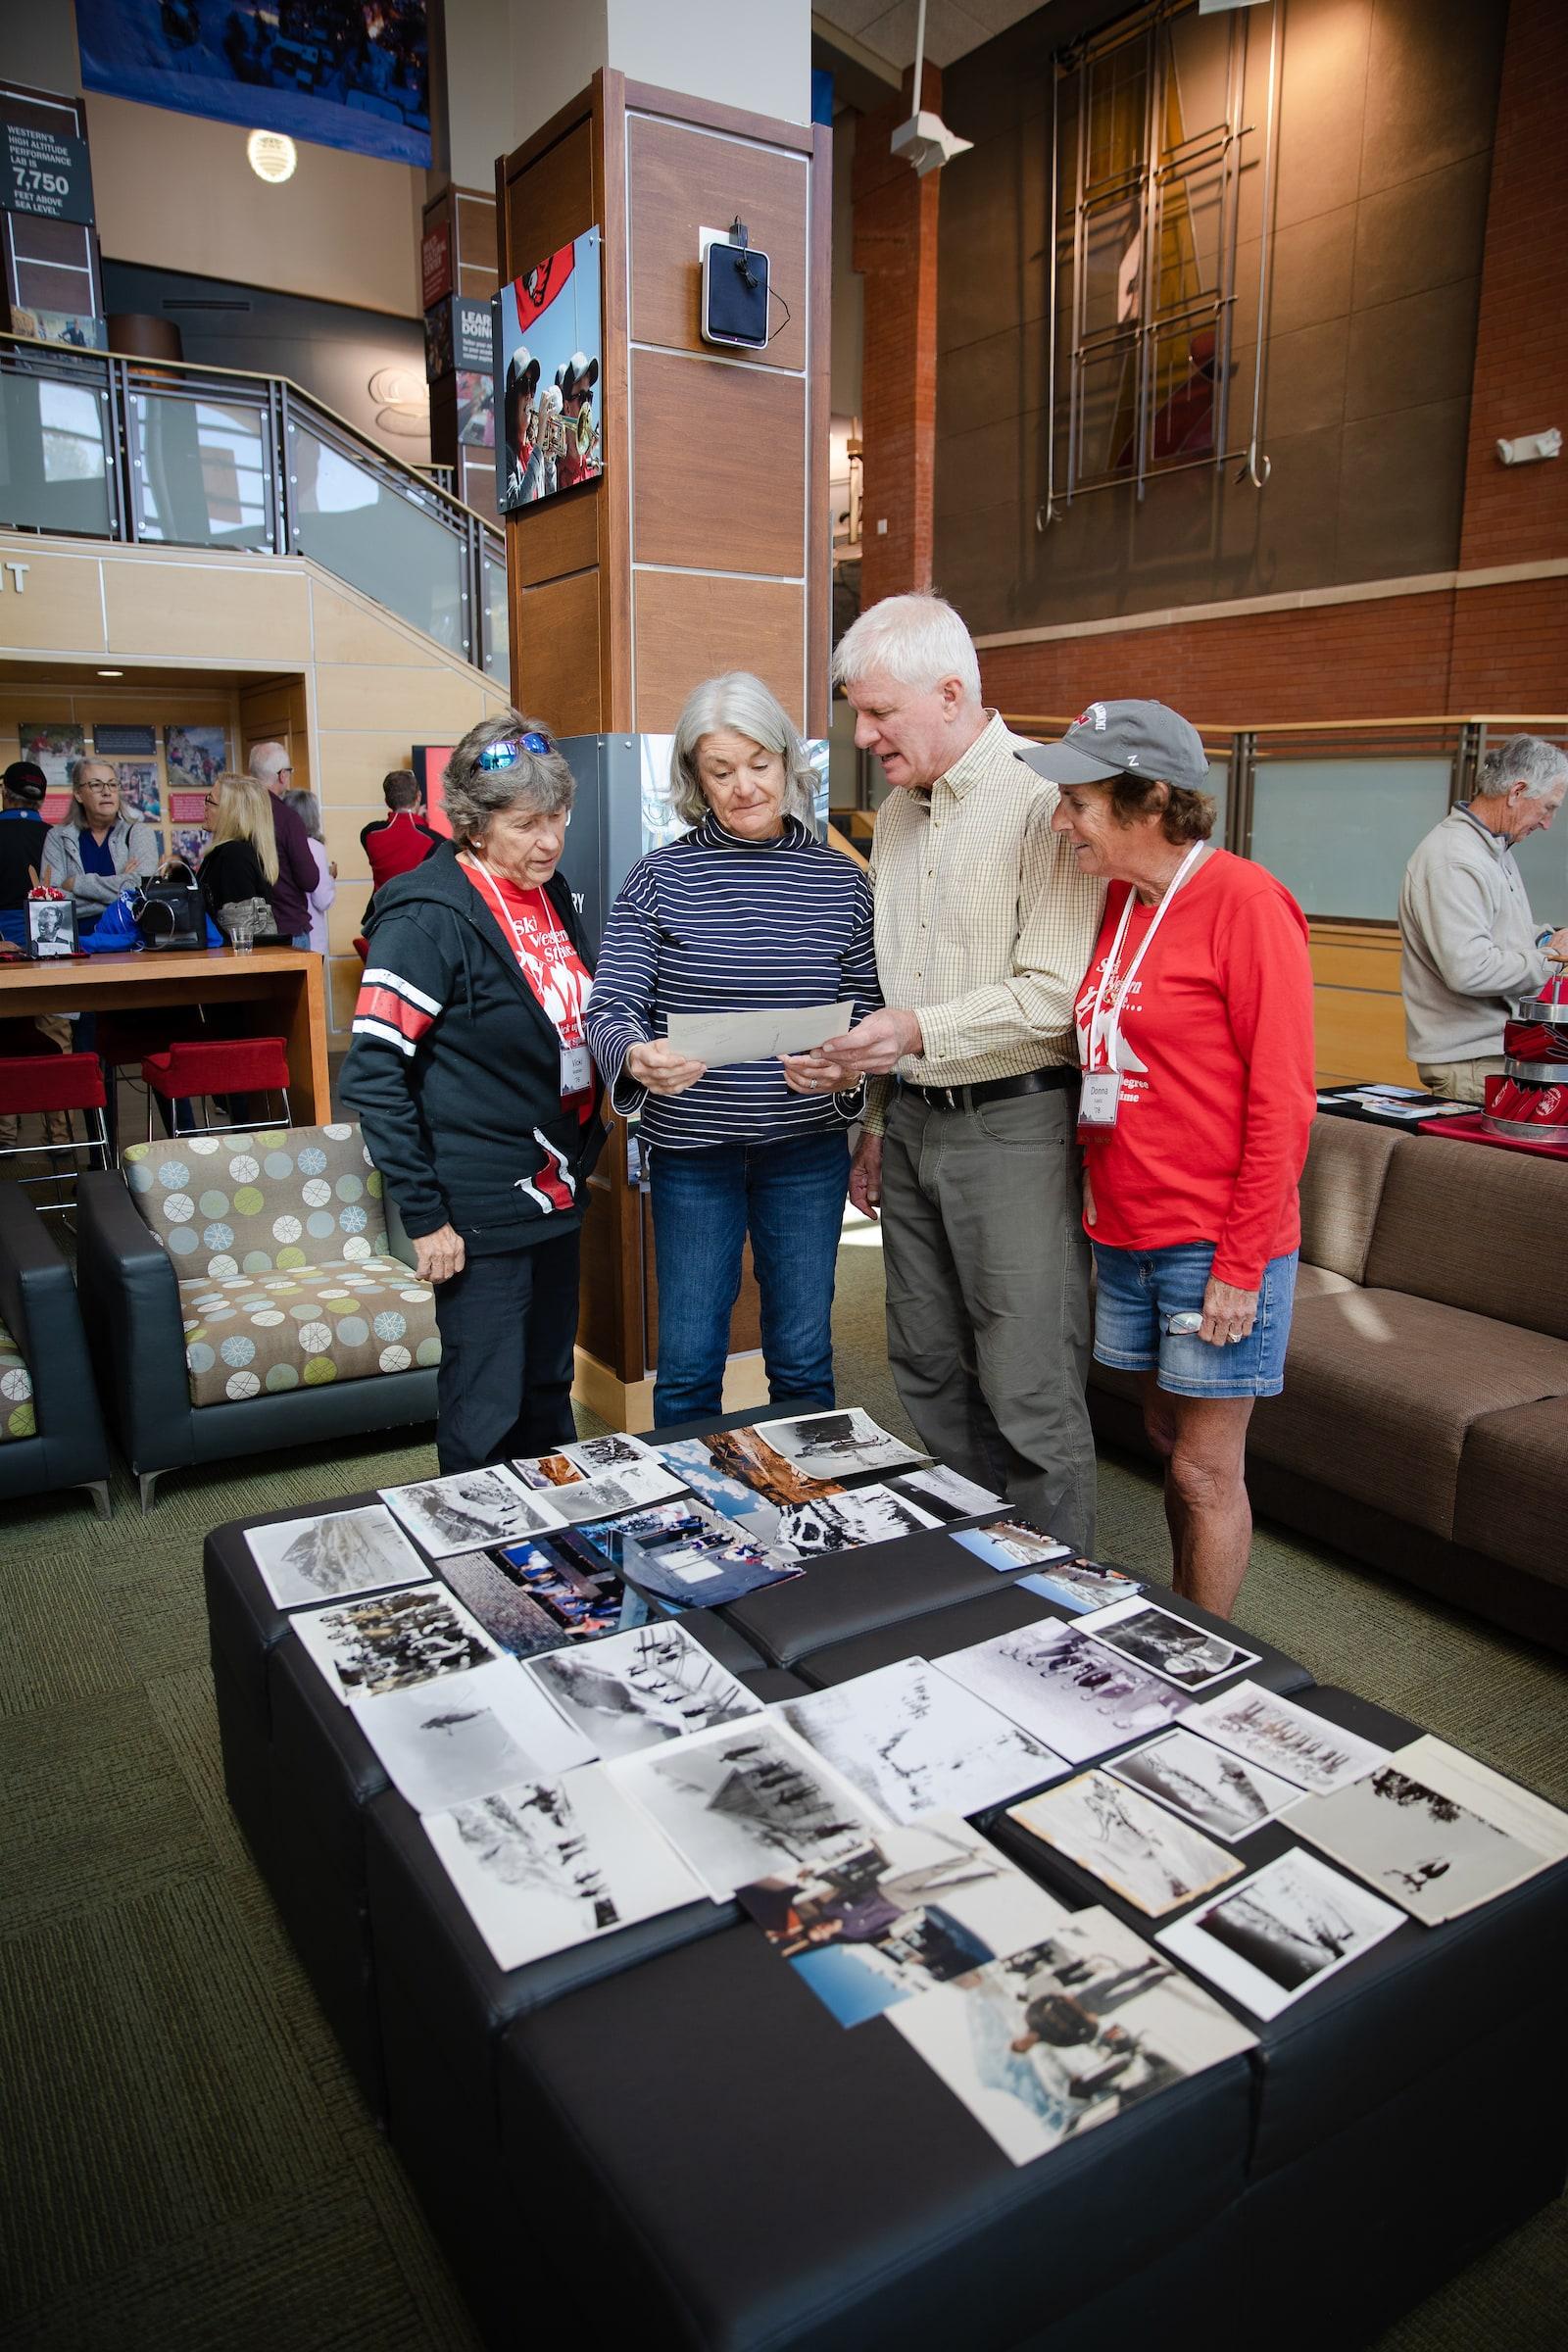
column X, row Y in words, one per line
column 51, row 1431
column 244, row 1292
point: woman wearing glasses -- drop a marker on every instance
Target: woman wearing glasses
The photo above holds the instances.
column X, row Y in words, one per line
column 471, row 1074
column 98, row 848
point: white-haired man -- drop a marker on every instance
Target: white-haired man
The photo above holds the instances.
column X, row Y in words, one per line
column 1470, row 941
column 271, row 764
column 984, row 929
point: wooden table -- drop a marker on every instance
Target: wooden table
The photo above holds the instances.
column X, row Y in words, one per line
column 285, row 986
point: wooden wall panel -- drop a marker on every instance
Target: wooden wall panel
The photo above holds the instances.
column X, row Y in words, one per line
column 555, row 654
column 550, row 200
column 690, row 627
column 560, row 536
column 719, row 454
column 1357, row 1006
column 683, row 180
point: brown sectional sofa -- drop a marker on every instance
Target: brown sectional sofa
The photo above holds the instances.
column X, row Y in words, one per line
column 1424, row 1423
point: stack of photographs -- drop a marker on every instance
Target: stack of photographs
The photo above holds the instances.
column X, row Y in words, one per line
column 598, row 1477
column 746, row 1801
column 1134, row 1847
column 1063, row 2035
column 469, row 1510
column 547, row 1864
column 1281, row 1934
column 912, row 1908
column 531, row 1598
column 1013, row 1544
column 451, row 1742
column 414, row 1635
column 1285, row 1738
column 1168, row 1645
column 837, row 1444
column 913, row 1743
column 333, row 1557
column 842, row 1522
column 1071, row 1693
column 682, row 1555
column 1207, row 1785
column 643, row 1689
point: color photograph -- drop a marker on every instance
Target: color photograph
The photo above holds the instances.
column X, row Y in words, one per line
column 196, row 757
column 1013, row 1543
column 1081, row 1585
column 51, row 744
column 547, row 376
column 745, row 1455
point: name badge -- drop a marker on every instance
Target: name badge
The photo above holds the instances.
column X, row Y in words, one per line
column 576, row 1070
column 1100, row 1099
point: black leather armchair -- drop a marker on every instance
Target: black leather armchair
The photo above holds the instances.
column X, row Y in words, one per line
column 131, row 1302
column 40, row 1308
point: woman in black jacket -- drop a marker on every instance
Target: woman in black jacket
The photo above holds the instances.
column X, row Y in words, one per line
column 471, row 1074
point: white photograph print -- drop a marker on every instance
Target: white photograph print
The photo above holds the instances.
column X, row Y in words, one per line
column 841, row 1522
column 1130, row 1843
column 1426, row 1852
column 469, row 1510
column 1286, row 1738
column 333, row 1558
column 746, row 1801
column 1049, row 2043
column 915, row 1743
column 1185, row 1654
column 468, row 1734
column 393, row 1642
column 615, row 1451
column 642, row 1688
column 1209, row 1786
column 549, row 1864
column 1281, row 1934
column 838, row 1445
column 1070, row 1694
column 944, row 1491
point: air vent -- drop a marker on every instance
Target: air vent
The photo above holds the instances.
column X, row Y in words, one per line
column 202, row 302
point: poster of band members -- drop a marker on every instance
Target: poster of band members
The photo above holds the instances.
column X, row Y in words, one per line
column 547, row 376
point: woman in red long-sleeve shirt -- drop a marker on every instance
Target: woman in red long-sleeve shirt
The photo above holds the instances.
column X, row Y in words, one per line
column 1195, row 1028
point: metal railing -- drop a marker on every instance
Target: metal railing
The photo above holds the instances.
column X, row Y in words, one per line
column 158, row 452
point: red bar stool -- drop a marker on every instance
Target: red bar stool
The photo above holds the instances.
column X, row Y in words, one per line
column 231, row 1065
column 60, row 1082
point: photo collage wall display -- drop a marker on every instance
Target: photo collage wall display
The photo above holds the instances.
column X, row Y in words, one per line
column 166, row 789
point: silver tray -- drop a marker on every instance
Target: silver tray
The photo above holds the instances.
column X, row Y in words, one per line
column 1549, row 1016
column 1523, row 1131
column 1537, row 1073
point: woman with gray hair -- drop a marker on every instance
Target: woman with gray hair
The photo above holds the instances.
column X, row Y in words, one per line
column 98, row 848
column 471, row 1074
column 308, row 808
column 747, row 912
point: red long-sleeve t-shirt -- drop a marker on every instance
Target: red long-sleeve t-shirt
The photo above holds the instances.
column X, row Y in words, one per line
column 1217, row 1092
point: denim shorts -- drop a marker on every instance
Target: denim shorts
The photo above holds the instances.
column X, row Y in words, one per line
column 1138, row 1291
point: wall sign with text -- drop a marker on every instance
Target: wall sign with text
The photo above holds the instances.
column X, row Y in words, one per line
column 44, row 172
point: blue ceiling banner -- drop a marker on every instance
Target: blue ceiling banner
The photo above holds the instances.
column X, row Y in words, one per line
column 353, row 74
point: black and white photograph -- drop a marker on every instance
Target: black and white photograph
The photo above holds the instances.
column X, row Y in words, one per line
column 1133, row 1845
column 629, row 1487
column 1286, row 1738
column 1282, row 1932
column 1043, row 2045
column 468, row 1734
column 334, row 1557
column 393, row 1642
column 51, row 927
column 1069, row 1693
column 470, row 1510
column 915, row 1743
column 1185, row 1654
column 1209, row 1786
column 530, row 1597
column 945, row 1495
column 843, row 1522
column 917, row 1907
column 1013, row 1543
column 1430, row 1856
column 549, row 1864
column 616, row 1451
column 1081, row 1585
column 643, row 1689
column 838, row 1445
column 746, row 1801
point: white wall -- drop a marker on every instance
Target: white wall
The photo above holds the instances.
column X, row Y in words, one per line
column 755, row 54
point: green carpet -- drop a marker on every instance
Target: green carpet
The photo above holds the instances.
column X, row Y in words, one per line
column 184, row 2161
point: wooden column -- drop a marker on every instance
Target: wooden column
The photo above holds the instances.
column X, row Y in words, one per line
column 467, row 218
column 703, row 545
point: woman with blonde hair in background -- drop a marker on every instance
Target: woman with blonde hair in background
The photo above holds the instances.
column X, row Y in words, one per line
column 239, row 872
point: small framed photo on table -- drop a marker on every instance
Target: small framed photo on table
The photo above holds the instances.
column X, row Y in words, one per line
column 51, row 927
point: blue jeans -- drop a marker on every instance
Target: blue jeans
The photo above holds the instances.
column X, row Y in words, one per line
column 1140, row 1290
column 790, row 1197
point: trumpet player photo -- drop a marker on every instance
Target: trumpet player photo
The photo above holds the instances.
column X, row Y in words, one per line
column 547, row 363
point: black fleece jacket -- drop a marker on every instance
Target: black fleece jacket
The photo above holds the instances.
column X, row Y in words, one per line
column 455, row 1069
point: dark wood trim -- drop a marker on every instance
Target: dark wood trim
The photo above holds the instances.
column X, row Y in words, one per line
column 701, row 114
column 561, row 125
column 818, row 408
column 615, row 484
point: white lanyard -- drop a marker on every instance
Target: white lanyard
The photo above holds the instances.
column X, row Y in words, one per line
column 1104, row 1019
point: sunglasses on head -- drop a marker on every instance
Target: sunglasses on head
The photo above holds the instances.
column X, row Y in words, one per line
column 506, row 754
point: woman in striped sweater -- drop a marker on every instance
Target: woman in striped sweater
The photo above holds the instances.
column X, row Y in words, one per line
column 747, row 912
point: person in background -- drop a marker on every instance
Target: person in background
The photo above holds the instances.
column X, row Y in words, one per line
column 241, row 870
column 470, row 1075
column 983, row 928
column 270, row 765
column 401, row 840
column 1195, row 1030
column 97, row 850
column 1470, row 943
column 23, row 835
column 747, row 912
column 308, row 808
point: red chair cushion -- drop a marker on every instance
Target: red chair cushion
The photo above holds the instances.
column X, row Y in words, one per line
column 230, row 1066
column 50, row 1082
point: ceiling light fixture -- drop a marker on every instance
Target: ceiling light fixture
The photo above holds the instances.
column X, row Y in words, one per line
column 272, row 156
column 110, row 674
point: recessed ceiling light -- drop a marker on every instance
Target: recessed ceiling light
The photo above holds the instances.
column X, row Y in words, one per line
column 272, row 156
column 110, row 674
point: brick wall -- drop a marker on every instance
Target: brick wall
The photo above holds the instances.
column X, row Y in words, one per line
column 896, row 252
column 1519, row 513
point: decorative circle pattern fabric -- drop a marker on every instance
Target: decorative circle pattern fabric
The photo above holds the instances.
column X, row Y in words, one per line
column 16, row 1418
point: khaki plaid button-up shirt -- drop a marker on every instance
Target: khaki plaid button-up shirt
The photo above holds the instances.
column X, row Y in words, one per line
column 984, row 925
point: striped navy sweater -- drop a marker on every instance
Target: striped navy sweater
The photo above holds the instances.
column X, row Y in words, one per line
column 715, row 924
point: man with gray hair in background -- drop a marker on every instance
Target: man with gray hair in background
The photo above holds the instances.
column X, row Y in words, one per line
column 984, row 929
column 1471, row 945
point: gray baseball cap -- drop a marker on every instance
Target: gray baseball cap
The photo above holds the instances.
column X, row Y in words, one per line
column 1112, row 739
